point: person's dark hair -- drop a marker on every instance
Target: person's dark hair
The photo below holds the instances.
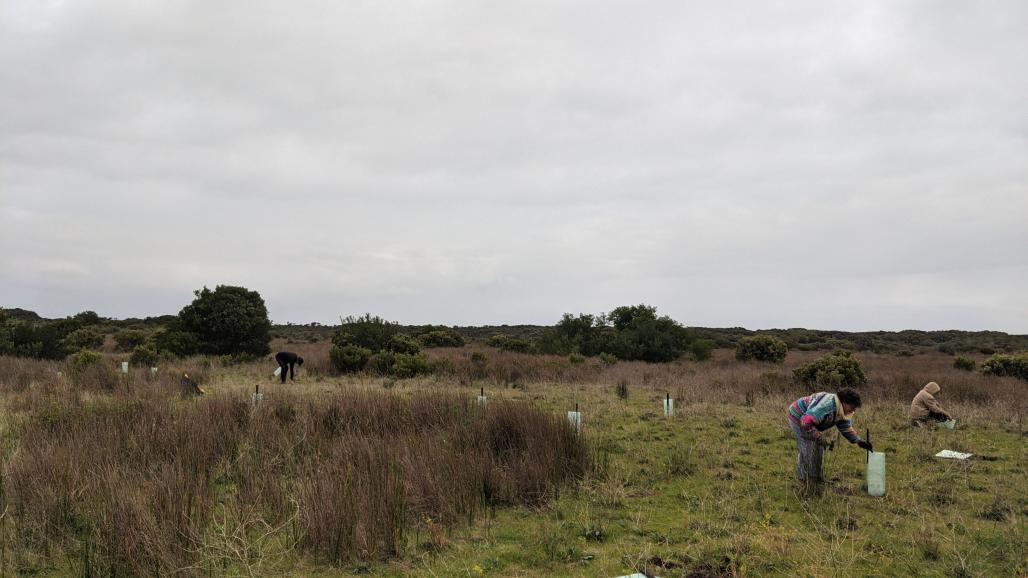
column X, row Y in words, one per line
column 849, row 396
column 299, row 361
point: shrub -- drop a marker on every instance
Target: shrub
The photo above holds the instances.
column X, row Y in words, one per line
column 441, row 338
column 640, row 335
column 381, row 363
column 403, row 344
column 349, row 358
column 701, row 349
column 761, row 348
column 228, row 320
column 129, row 339
column 85, row 359
column 1010, row 365
column 576, row 358
column 505, row 342
column 964, row 363
column 837, row 369
column 407, row 365
column 608, row 359
column 372, row 333
column 84, row 338
column 176, row 342
column 144, row 354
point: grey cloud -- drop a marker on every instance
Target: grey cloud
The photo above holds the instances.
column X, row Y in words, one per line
column 859, row 165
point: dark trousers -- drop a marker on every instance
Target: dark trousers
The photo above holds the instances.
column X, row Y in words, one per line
column 284, row 366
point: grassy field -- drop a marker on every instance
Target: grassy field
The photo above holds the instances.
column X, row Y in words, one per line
column 707, row 492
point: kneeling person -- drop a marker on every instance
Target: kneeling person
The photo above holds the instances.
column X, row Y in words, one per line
column 925, row 409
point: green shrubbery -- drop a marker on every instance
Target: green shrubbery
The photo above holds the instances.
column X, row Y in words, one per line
column 837, row 369
column 440, row 337
column 761, row 348
column 227, row 320
column 628, row 332
column 371, row 332
column 349, row 358
column 85, row 359
column 701, row 349
column 176, row 342
column 375, row 345
column 32, row 337
column 84, row 338
column 129, row 339
column 505, row 342
column 145, row 355
column 1010, row 365
column 964, row 364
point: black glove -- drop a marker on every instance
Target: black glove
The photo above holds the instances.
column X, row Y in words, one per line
column 865, row 445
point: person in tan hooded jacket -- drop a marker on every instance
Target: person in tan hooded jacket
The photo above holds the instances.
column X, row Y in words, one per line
column 925, row 408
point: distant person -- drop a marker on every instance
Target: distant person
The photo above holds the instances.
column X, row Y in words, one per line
column 813, row 414
column 287, row 360
column 925, row 409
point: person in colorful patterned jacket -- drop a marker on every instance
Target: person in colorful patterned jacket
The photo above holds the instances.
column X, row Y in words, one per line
column 813, row 414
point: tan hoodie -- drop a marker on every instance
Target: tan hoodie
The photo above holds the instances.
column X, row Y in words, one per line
column 925, row 401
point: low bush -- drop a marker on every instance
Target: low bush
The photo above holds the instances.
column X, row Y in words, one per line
column 349, row 358
column 761, row 348
column 964, row 364
column 701, row 349
column 85, row 338
column 85, row 359
column 129, row 339
column 505, row 342
column 144, row 354
column 403, row 344
column 406, row 365
column 837, row 369
column 1007, row 365
column 441, row 338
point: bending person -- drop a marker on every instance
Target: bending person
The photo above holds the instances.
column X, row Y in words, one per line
column 925, row 408
column 287, row 360
column 813, row 414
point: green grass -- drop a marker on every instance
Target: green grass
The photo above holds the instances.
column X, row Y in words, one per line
column 710, row 492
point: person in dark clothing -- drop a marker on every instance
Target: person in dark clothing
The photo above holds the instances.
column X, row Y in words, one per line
column 287, row 360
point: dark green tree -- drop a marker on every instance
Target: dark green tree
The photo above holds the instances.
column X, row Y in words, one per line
column 228, row 320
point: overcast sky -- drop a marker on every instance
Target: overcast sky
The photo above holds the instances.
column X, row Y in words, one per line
column 835, row 165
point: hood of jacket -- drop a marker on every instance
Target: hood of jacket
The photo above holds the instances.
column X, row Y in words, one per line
column 932, row 388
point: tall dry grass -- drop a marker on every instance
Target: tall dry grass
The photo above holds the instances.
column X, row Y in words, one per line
column 124, row 475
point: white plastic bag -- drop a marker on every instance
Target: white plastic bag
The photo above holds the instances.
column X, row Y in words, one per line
column 278, row 371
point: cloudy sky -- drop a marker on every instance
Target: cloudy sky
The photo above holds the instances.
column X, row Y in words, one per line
column 838, row 165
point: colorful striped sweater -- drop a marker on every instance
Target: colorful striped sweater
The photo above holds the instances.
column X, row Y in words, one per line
column 821, row 411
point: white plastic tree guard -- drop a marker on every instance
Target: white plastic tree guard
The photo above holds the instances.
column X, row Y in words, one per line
column 876, row 474
column 124, row 367
column 669, row 406
column 481, row 397
column 575, row 419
